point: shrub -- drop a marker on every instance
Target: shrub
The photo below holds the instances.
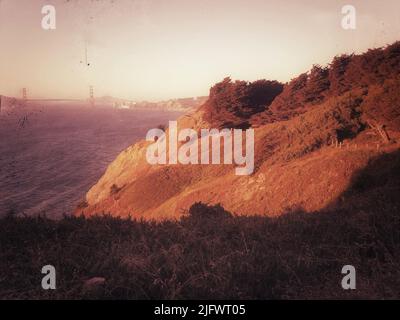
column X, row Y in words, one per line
column 114, row 189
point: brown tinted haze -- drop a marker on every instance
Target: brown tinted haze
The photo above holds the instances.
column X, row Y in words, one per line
column 149, row 49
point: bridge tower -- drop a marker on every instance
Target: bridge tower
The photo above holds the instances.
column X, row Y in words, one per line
column 91, row 96
column 24, row 96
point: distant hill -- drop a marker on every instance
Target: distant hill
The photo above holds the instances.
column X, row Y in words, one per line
column 183, row 104
column 313, row 136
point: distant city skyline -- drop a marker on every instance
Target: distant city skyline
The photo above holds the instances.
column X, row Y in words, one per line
column 158, row 50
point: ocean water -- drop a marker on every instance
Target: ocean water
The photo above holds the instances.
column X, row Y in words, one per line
column 51, row 155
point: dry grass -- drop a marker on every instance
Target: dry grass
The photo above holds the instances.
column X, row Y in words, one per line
column 208, row 254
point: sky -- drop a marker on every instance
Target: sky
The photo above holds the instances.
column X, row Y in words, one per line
column 161, row 49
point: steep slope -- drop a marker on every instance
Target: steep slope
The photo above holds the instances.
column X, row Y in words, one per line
column 311, row 136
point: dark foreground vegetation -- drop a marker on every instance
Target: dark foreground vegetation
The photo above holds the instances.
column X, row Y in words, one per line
column 209, row 254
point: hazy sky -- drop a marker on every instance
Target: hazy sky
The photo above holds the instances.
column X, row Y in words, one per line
column 158, row 49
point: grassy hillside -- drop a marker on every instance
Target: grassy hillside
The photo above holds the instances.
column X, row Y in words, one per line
column 294, row 256
column 354, row 101
column 211, row 254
